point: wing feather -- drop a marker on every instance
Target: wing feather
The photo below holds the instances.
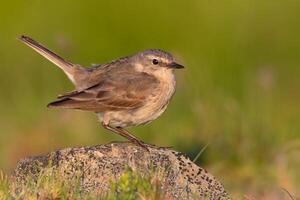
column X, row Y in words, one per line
column 117, row 92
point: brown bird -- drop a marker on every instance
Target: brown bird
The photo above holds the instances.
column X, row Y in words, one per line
column 129, row 91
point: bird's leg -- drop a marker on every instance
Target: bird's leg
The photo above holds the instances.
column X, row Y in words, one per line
column 126, row 134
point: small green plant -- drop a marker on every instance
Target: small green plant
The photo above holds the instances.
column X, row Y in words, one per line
column 132, row 185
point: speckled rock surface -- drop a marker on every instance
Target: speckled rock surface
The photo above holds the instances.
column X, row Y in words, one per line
column 98, row 165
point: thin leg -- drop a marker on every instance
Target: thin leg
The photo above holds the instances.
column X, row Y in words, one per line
column 126, row 134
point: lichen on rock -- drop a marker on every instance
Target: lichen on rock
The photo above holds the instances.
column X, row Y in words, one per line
column 98, row 166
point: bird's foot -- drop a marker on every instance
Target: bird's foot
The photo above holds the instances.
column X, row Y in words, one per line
column 141, row 144
column 159, row 147
column 144, row 145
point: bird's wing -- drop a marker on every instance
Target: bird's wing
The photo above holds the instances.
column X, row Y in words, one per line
column 116, row 92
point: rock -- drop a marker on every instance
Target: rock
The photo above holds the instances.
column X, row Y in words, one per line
column 101, row 164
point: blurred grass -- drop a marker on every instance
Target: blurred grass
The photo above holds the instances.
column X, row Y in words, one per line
column 239, row 92
column 49, row 184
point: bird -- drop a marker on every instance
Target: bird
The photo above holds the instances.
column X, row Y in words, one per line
column 129, row 91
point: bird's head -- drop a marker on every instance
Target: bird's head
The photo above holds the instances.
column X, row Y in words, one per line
column 155, row 60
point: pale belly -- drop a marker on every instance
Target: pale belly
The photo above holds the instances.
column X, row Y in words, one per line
column 152, row 109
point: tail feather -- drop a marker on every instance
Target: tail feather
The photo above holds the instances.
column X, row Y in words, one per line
column 68, row 103
column 69, row 68
column 63, row 103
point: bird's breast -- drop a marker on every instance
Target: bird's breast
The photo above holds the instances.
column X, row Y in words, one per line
column 153, row 106
column 157, row 103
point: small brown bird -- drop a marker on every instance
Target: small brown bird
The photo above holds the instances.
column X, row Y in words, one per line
column 129, row 91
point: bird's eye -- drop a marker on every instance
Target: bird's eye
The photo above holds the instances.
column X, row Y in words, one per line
column 155, row 61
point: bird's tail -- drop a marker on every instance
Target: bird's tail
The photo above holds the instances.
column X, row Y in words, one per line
column 73, row 71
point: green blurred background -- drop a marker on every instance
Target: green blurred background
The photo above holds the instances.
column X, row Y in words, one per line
column 239, row 93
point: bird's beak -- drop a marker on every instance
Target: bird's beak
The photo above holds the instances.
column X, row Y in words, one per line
column 175, row 65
